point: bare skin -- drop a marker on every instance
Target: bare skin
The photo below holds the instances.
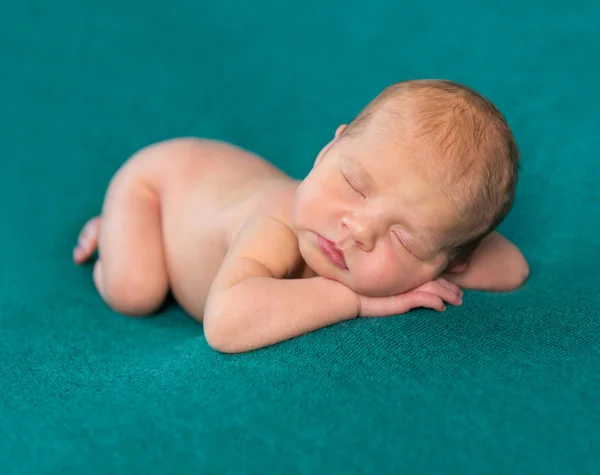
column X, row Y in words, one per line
column 209, row 221
column 169, row 216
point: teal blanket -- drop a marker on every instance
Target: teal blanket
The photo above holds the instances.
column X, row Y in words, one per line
column 507, row 383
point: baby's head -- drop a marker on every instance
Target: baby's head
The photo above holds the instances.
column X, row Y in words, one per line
column 408, row 189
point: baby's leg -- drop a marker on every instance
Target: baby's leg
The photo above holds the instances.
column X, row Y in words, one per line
column 130, row 273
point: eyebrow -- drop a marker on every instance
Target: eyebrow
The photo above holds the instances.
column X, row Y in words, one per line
column 362, row 170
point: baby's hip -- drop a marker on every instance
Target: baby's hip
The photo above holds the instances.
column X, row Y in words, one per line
column 205, row 190
column 192, row 264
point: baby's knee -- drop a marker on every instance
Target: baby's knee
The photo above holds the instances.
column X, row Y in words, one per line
column 132, row 300
column 131, row 295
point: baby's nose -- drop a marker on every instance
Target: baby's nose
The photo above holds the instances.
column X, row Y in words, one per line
column 361, row 232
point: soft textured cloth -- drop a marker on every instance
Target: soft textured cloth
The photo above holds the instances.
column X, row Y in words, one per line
column 508, row 383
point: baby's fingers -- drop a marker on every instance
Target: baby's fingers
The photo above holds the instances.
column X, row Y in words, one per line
column 441, row 291
column 416, row 299
column 450, row 286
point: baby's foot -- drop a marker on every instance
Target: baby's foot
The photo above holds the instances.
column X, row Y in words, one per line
column 87, row 241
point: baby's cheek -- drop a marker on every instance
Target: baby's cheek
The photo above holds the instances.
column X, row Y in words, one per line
column 305, row 204
column 380, row 277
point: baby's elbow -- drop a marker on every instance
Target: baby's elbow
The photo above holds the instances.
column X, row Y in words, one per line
column 220, row 335
column 524, row 271
column 216, row 335
column 519, row 272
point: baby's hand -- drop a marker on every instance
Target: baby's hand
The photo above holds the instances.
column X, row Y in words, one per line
column 432, row 294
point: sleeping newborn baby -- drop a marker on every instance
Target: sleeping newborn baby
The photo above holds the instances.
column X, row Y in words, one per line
column 398, row 212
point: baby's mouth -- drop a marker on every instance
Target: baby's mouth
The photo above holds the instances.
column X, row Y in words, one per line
column 333, row 253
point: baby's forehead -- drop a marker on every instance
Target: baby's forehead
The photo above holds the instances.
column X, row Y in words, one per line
column 393, row 139
column 394, row 177
column 384, row 160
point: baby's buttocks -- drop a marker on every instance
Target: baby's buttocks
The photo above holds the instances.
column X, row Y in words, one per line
column 209, row 189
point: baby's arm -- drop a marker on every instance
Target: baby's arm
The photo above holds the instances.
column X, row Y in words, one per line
column 251, row 304
column 496, row 265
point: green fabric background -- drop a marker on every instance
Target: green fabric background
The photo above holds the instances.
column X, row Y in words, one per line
column 509, row 383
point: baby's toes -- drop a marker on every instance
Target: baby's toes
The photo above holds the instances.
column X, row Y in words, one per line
column 78, row 255
column 87, row 240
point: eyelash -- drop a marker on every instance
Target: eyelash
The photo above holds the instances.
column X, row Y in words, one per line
column 349, row 183
column 401, row 242
column 398, row 239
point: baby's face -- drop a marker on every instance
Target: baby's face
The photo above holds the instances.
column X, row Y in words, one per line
column 383, row 212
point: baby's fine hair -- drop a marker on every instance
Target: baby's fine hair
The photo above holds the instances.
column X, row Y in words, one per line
column 468, row 137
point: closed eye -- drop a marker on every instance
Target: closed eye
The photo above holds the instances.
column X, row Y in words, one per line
column 403, row 243
column 352, row 186
column 399, row 239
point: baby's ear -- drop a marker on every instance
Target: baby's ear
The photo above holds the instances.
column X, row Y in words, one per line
column 340, row 130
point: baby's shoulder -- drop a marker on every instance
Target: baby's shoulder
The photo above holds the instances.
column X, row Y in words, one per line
column 267, row 235
column 277, row 204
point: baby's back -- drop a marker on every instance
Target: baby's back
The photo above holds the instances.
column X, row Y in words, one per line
column 207, row 191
